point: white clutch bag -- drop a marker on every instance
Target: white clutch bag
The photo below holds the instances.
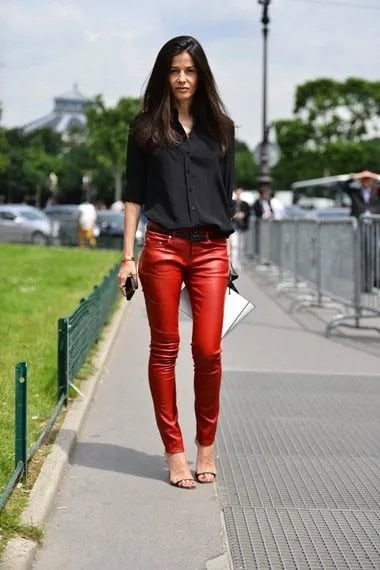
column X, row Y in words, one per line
column 236, row 308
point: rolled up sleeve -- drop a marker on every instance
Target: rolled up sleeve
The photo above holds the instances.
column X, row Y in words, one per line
column 136, row 172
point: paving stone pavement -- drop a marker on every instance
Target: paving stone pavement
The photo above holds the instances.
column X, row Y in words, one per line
column 298, row 458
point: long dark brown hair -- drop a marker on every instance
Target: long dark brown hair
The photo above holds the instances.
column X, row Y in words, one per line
column 153, row 125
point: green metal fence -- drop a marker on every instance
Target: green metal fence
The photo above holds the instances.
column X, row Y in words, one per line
column 77, row 334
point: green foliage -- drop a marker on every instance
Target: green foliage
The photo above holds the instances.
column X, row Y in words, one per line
column 246, row 171
column 75, row 161
column 330, row 132
column 10, row 526
column 108, row 134
column 30, row 159
column 38, row 164
column 338, row 111
column 4, row 160
column 27, row 160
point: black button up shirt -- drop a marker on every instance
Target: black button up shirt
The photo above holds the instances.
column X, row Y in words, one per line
column 185, row 185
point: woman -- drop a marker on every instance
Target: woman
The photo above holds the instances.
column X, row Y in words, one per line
column 180, row 168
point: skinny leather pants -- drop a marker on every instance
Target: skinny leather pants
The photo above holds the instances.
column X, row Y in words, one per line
column 165, row 263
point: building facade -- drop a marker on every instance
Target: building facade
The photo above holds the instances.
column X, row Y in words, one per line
column 69, row 114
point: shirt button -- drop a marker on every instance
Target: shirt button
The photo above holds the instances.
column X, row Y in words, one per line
column 192, row 207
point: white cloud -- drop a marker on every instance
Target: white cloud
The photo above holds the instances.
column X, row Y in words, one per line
column 90, row 36
column 109, row 47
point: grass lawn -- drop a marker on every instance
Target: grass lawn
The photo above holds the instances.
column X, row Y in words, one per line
column 37, row 286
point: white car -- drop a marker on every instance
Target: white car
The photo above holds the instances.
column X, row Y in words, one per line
column 25, row 224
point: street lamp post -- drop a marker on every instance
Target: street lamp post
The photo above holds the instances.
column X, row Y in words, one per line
column 264, row 178
column 86, row 185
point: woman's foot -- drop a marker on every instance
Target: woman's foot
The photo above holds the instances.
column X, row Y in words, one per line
column 179, row 471
column 205, row 468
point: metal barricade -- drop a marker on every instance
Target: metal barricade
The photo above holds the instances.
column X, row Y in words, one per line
column 338, row 243
column 251, row 239
column 263, row 233
column 370, row 263
column 288, row 246
column 354, row 254
column 307, row 267
column 288, row 255
column 275, row 243
column 332, row 264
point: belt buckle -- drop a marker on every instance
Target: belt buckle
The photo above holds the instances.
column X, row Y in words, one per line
column 196, row 235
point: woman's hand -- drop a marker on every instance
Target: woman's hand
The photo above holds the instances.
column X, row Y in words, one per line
column 127, row 268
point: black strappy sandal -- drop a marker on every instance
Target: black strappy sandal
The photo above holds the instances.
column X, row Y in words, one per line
column 197, row 475
column 180, row 486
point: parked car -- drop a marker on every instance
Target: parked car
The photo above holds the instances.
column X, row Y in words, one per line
column 26, row 224
column 67, row 216
column 111, row 225
column 111, row 228
column 328, row 213
column 294, row 211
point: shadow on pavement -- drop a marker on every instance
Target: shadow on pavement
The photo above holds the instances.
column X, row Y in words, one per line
column 111, row 457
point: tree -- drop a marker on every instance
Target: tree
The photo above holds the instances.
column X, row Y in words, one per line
column 76, row 161
column 37, row 166
column 30, row 159
column 246, row 171
column 108, row 134
column 4, row 159
column 330, row 132
column 338, row 111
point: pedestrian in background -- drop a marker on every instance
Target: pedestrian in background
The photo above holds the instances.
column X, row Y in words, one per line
column 363, row 191
column 242, row 213
column 262, row 210
column 117, row 206
column 276, row 206
column 365, row 201
column 262, row 207
column 87, row 224
column 180, row 165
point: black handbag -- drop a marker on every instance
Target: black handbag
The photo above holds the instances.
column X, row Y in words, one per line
column 232, row 277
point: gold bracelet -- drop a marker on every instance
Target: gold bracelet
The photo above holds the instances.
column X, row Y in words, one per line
column 128, row 258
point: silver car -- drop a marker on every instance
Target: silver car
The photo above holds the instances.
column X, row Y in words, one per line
column 25, row 224
column 67, row 217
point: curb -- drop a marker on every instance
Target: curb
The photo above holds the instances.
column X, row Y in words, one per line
column 19, row 553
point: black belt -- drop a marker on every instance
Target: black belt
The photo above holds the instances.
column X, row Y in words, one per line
column 191, row 234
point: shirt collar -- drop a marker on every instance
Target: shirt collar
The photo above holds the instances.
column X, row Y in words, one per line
column 176, row 122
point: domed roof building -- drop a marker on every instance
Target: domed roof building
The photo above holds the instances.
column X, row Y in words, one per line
column 68, row 113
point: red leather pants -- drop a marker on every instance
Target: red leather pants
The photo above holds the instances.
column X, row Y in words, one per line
column 165, row 263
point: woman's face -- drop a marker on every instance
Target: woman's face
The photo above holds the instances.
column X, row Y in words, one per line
column 183, row 77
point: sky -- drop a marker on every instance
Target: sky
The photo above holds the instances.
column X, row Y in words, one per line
column 109, row 48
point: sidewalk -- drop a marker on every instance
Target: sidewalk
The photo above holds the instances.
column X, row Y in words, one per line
column 299, row 459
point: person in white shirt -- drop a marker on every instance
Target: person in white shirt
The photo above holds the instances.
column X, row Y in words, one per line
column 87, row 224
column 277, row 207
column 262, row 210
column 262, row 207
